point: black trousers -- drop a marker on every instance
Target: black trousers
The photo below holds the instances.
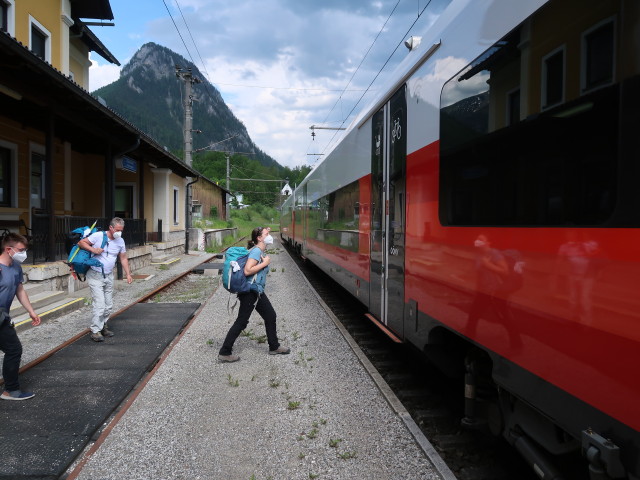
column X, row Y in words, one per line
column 266, row 311
column 12, row 348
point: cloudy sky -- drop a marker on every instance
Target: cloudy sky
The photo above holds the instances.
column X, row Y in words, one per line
column 280, row 65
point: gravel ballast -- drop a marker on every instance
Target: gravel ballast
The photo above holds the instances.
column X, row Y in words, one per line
column 315, row 413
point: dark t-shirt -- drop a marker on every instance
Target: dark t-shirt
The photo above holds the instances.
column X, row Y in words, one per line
column 10, row 277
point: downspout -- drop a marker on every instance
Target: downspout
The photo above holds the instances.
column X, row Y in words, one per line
column 187, row 216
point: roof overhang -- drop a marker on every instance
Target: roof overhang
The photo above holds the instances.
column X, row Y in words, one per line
column 97, row 9
column 84, row 33
column 36, row 95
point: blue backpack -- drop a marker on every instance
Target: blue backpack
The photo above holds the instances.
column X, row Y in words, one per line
column 81, row 260
column 233, row 278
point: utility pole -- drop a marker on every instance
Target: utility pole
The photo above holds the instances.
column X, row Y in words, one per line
column 189, row 80
column 228, row 206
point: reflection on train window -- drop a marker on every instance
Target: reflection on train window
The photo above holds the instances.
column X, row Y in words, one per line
column 597, row 45
column 505, row 160
column 553, row 78
column 335, row 218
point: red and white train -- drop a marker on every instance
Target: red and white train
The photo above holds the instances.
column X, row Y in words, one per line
column 486, row 209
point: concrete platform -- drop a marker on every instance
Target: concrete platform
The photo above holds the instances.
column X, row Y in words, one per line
column 316, row 413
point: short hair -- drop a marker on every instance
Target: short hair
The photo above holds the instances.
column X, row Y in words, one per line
column 11, row 239
column 116, row 221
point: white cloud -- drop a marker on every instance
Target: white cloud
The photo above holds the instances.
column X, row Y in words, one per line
column 101, row 75
column 280, row 65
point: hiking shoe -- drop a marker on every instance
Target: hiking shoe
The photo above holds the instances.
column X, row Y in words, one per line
column 106, row 332
column 228, row 358
column 97, row 337
column 280, row 351
column 17, row 395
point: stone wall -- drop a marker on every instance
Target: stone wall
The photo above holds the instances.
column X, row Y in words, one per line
column 214, row 238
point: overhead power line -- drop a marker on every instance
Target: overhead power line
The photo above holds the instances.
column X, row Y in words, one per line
column 381, row 69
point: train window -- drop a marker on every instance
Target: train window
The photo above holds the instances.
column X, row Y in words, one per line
column 335, row 220
column 506, row 160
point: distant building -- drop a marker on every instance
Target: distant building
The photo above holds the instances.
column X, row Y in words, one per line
column 286, row 190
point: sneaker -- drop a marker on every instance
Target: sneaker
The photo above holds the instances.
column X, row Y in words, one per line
column 106, row 332
column 17, row 395
column 280, row 351
column 97, row 337
column 228, row 358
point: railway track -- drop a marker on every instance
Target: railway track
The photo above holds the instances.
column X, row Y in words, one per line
column 434, row 401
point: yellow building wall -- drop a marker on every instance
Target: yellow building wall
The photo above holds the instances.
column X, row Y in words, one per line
column 48, row 14
column 79, row 63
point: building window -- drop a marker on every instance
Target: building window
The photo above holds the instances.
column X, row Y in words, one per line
column 7, row 16
column 40, row 40
column 176, row 215
column 4, row 16
column 124, row 201
column 598, row 55
column 38, row 193
column 553, row 79
column 5, row 177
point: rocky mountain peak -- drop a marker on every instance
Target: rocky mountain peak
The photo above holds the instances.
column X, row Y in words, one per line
column 149, row 95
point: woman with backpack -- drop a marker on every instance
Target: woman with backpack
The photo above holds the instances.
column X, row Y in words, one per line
column 258, row 265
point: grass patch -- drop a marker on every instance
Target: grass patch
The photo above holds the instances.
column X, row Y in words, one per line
column 232, row 381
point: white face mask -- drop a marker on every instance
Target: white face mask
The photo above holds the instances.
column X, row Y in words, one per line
column 19, row 256
column 479, row 243
column 117, row 235
column 268, row 240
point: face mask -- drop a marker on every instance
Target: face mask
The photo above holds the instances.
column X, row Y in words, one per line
column 479, row 243
column 19, row 256
column 117, row 235
column 268, row 240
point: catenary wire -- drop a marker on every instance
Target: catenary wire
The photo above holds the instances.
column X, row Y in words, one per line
column 358, row 68
column 379, row 71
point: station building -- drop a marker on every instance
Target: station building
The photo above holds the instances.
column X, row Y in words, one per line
column 66, row 159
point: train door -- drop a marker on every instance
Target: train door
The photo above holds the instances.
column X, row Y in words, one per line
column 388, row 196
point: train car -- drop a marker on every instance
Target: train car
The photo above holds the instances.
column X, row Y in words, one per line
column 485, row 209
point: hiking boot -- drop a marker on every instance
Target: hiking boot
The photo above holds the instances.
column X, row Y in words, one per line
column 280, row 351
column 97, row 337
column 228, row 358
column 106, row 332
column 16, row 395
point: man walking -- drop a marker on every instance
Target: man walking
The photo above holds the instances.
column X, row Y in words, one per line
column 101, row 279
column 14, row 252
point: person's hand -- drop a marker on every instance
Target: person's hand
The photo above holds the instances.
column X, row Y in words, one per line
column 35, row 319
column 98, row 251
column 266, row 260
column 129, row 278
